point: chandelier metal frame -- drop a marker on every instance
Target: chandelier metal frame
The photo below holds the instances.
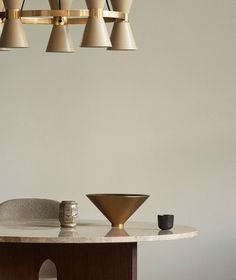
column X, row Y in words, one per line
column 79, row 16
column 60, row 16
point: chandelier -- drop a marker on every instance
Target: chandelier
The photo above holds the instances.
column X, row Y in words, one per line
column 60, row 16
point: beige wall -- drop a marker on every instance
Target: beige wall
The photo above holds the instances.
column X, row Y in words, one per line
column 160, row 121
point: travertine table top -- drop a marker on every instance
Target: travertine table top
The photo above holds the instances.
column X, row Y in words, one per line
column 49, row 231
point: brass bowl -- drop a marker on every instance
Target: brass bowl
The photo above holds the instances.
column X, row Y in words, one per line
column 117, row 208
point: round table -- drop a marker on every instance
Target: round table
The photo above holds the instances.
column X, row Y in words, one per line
column 91, row 251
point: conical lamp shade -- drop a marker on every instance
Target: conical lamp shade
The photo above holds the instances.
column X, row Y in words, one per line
column 1, row 6
column 95, row 34
column 60, row 40
column 95, row 4
column 122, row 37
column 121, row 5
column 13, row 35
column 12, row 4
column 2, row 49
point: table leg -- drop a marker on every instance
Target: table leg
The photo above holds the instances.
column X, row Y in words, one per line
column 88, row 261
column 18, row 262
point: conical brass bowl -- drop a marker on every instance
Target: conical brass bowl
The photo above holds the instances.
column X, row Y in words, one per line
column 117, row 208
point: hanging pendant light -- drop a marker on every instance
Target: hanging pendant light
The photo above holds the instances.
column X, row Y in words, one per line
column 60, row 39
column 60, row 16
column 95, row 33
column 13, row 34
column 122, row 36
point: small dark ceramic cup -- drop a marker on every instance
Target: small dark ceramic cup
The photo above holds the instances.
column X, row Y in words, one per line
column 165, row 222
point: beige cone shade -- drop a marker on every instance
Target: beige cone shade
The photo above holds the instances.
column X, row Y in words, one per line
column 121, row 5
column 60, row 40
column 2, row 49
column 13, row 35
column 122, row 37
column 13, row 4
column 1, row 6
column 95, row 32
column 95, row 4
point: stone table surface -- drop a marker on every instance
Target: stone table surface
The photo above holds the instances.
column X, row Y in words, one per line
column 49, row 231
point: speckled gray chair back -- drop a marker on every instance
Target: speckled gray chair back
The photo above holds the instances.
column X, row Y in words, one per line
column 32, row 209
column 29, row 209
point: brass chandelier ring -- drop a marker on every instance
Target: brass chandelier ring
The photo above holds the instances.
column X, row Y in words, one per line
column 60, row 16
column 73, row 16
